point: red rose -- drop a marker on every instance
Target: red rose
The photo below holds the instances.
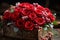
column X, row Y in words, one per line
column 52, row 18
column 19, row 9
column 38, row 11
column 14, row 15
column 20, row 23
column 40, row 7
column 29, row 25
column 26, row 12
column 50, row 15
column 32, row 16
column 40, row 21
column 47, row 10
column 16, row 12
column 6, row 15
column 27, row 5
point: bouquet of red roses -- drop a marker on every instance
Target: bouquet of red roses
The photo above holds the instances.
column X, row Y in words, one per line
column 28, row 16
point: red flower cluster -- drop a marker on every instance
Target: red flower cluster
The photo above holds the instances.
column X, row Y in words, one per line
column 26, row 15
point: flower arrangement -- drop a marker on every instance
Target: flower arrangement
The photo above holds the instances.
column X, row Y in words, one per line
column 29, row 16
column 26, row 16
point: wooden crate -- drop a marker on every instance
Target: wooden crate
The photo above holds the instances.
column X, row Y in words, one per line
column 9, row 34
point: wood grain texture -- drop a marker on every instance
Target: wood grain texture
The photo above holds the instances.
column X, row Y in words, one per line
column 20, row 35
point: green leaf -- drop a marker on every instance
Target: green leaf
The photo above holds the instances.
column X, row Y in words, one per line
column 11, row 10
column 16, row 29
column 45, row 28
column 54, row 32
column 55, row 23
column 46, row 25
